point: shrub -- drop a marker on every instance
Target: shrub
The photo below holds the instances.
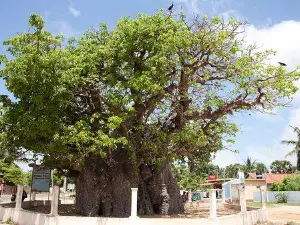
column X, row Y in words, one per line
column 282, row 197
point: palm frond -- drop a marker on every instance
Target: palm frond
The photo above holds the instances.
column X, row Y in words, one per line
column 289, row 142
column 293, row 152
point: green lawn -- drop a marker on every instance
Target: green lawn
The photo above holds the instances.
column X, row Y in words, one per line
column 271, row 205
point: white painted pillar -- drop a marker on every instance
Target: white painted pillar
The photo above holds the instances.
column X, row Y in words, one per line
column 262, row 199
column 19, row 196
column 223, row 196
column 33, row 196
column 213, row 203
column 190, row 196
column 54, row 200
column 243, row 201
column 65, row 184
column 134, row 195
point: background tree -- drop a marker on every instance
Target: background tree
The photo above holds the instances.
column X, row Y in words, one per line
column 288, row 184
column 115, row 107
column 296, row 144
column 231, row 170
column 14, row 174
column 249, row 166
column 188, row 180
column 261, row 168
column 282, row 166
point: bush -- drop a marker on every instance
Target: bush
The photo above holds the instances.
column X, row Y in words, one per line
column 282, row 197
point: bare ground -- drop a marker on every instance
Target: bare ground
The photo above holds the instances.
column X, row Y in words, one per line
column 195, row 211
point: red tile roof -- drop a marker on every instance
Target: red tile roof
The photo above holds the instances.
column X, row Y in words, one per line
column 272, row 177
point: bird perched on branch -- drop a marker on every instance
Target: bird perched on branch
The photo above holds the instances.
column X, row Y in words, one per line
column 171, row 7
column 282, row 64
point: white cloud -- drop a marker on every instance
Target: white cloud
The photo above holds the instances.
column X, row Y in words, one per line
column 75, row 12
column 64, row 28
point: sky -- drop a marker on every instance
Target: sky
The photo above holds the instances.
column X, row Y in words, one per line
column 272, row 24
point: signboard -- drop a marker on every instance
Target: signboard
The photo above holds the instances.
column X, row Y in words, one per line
column 40, row 179
column 212, row 177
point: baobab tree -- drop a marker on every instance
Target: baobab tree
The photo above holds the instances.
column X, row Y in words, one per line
column 116, row 107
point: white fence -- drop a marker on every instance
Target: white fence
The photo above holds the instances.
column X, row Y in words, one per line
column 270, row 196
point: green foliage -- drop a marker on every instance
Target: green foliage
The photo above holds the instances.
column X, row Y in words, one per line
column 296, row 144
column 282, row 197
column 250, row 166
column 288, row 184
column 261, row 168
column 282, row 166
column 231, row 170
column 188, row 180
column 153, row 87
column 14, row 174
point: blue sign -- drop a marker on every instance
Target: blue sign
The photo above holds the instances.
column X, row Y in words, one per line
column 40, row 179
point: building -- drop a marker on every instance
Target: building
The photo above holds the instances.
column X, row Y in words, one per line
column 271, row 178
column 251, row 186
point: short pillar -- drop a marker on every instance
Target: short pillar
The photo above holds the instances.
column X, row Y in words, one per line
column 243, row 201
column 190, row 196
column 65, row 184
column 33, row 196
column 134, row 195
column 54, row 200
column 262, row 199
column 213, row 203
column 223, row 196
column 19, row 196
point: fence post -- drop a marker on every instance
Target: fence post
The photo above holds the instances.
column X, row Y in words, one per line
column 54, row 200
column 33, row 196
column 243, row 202
column 262, row 199
column 134, row 194
column 19, row 196
column 213, row 203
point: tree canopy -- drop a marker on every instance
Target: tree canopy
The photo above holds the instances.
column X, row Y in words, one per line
column 14, row 174
column 288, row 184
column 296, row 144
column 282, row 166
column 155, row 86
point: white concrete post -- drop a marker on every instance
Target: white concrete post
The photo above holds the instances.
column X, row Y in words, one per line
column 243, row 202
column 33, row 196
column 54, row 200
column 134, row 195
column 190, row 197
column 223, row 196
column 262, row 199
column 19, row 196
column 65, row 184
column 213, row 203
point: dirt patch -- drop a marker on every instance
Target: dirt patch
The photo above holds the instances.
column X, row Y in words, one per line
column 63, row 210
column 196, row 211
column 286, row 213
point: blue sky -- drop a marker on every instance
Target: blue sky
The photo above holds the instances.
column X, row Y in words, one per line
column 272, row 24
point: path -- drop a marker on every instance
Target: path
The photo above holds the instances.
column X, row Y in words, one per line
column 286, row 213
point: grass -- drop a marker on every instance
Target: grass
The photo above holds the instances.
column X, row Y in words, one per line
column 271, row 205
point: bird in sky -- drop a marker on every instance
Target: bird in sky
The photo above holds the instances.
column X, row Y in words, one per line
column 171, row 7
column 282, row 64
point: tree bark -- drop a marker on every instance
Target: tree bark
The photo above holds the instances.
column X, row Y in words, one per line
column 104, row 189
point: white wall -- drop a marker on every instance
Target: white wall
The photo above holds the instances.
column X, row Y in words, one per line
column 293, row 196
column 24, row 217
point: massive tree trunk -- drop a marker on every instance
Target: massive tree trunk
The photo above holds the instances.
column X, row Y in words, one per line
column 105, row 189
